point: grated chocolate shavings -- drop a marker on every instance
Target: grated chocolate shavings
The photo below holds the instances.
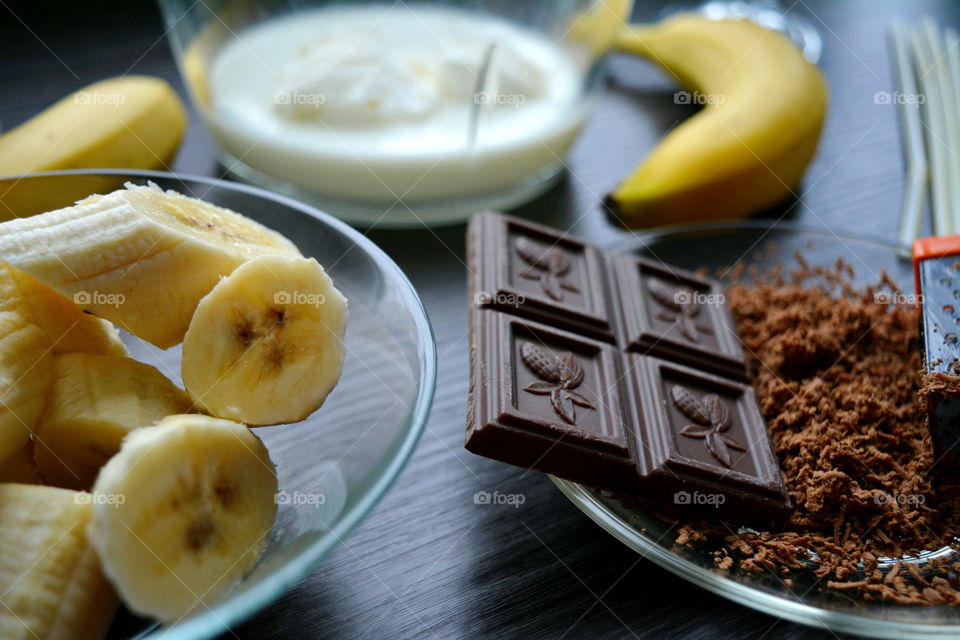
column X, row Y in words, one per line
column 838, row 376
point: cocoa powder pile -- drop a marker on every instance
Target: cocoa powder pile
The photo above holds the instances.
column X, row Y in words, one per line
column 838, row 375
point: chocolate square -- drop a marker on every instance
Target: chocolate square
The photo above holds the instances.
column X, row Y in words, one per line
column 549, row 400
column 702, row 435
column 536, row 272
column 672, row 313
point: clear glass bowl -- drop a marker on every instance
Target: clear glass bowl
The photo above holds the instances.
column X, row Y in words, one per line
column 447, row 174
column 720, row 245
column 336, row 465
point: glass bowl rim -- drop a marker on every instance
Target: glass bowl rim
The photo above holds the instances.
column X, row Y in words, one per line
column 221, row 617
column 767, row 603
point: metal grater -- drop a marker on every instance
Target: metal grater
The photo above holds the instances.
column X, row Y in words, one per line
column 936, row 267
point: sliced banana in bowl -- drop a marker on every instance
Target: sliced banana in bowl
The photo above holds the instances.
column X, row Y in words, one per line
column 265, row 346
column 93, row 403
column 182, row 509
column 182, row 513
column 184, row 502
column 53, row 586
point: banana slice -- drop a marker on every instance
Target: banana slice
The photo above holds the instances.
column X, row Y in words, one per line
column 265, row 346
column 182, row 512
column 139, row 256
column 51, row 585
column 66, row 327
column 93, row 403
column 35, row 323
column 26, row 370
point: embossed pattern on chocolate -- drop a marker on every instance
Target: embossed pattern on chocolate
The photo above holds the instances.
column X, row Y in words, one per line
column 703, row 433
column 678, row 306
column 508, row 422
column 560, row 375
column 548, row 267
column 675, row 314
column 710, row 418
column 540, row 274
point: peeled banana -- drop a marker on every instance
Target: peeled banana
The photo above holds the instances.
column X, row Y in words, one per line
column 265, row 346
column 140, row 257
column 182, row 512
column 65, row 326
column 51, row 585
column 25, row 373
column 36, row 323
column 134, row 122
column 181, row 504
column 95, row 401
column 747, row 149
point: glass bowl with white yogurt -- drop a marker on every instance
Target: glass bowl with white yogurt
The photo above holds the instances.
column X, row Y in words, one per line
column 399, row 114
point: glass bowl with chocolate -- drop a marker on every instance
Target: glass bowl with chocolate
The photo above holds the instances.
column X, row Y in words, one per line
column 834, row 353
column 744, row 404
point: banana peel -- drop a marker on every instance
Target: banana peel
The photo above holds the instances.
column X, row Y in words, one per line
column 748, row 148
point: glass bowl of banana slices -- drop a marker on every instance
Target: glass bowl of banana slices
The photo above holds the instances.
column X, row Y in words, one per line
column 206, row 387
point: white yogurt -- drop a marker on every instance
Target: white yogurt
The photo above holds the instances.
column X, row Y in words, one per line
column 376, row 103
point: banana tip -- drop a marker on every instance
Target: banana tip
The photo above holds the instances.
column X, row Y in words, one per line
column 613, row 211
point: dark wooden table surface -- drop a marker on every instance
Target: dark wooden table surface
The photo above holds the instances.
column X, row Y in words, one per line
column 428, row 562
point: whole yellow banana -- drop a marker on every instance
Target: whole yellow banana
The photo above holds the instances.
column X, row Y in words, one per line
column 130, row 122
column 764, row 107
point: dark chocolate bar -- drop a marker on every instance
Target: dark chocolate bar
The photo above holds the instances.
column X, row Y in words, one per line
column 620, row 374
